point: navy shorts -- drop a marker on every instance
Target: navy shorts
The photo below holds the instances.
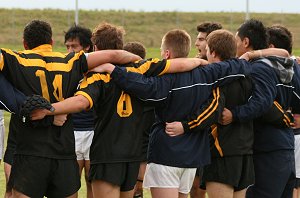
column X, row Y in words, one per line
column 274, row 174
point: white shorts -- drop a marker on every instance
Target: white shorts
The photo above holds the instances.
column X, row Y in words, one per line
column 83, row 141
column 2, row 130
column 160, row 176
column 297, row 155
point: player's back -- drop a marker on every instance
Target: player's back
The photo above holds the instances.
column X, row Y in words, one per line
column 53, row 75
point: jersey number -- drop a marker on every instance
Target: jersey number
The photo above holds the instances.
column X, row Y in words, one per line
column 124, row 106
column 57, row 85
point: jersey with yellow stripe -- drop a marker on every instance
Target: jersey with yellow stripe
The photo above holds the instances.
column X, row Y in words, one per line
column 118, row 135
column 235, row 138
column 53, row 75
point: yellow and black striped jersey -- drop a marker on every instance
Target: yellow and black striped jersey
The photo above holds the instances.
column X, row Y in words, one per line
column 119, row 127
column 53, row 75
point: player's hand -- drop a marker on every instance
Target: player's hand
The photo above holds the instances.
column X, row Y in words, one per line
column 245, row 56
column 39, row 114
column 298, row 59
column 296, row 121
column 226, row 117
column 59, row 120
column 174, row 128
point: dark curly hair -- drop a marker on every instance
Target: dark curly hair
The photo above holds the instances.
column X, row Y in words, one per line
column 83, row 34
column 36, row 33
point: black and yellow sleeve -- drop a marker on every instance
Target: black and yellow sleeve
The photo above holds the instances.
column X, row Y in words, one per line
column 277, row 116
column 150, row 67
column 207, row 115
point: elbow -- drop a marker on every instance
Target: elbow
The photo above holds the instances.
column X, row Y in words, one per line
column 82, row 104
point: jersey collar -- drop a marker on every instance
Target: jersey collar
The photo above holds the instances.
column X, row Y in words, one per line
column 43, row 48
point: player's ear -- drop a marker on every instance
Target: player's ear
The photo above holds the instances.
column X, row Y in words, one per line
column 95, row 48
column 86, row 49
column 51, row 42
column 213, row 54
column 25, row 45
column 246, row 42
column 271, row 46
column 167, row 54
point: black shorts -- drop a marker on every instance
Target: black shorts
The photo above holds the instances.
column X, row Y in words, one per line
column 39, row 176
column 8, row 156
column 236, row 171
column 122, row 174
column 297, row 183
column 11, row 146
column 199, row 172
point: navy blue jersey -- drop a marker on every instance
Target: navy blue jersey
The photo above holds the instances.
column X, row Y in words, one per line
column 84, row 121
column 267, row 89
column 10, row 98
column 176, row 97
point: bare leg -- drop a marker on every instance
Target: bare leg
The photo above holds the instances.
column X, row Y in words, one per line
column 127, row 194
column 219, row 190
column 88, row 184
column 196, row 191
column 138, row 189
column 296, row 193
column 164, row 192
column 81, row 165
column 102, row 188
column 7, row 170
column 181, row 195
column 240, row 193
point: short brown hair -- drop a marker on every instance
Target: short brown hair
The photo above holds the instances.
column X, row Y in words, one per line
column 136, row 48
column 223, row 43
column 177, row 41
column 108, row 36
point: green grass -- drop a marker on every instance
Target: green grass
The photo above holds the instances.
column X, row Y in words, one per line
column 146, row 27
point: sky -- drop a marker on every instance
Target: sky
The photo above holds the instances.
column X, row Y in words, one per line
column 268, row 6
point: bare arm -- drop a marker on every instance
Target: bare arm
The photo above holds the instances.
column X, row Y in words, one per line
column 70, row 105
column 265, row 52
column 176, row 65
column 97, row 58
column 185, row 64
column 73, row 104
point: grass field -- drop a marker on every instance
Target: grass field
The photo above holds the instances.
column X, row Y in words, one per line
column 146, row 27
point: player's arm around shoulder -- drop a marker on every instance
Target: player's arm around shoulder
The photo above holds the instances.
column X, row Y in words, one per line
column 97, row 58
column 185, row 64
